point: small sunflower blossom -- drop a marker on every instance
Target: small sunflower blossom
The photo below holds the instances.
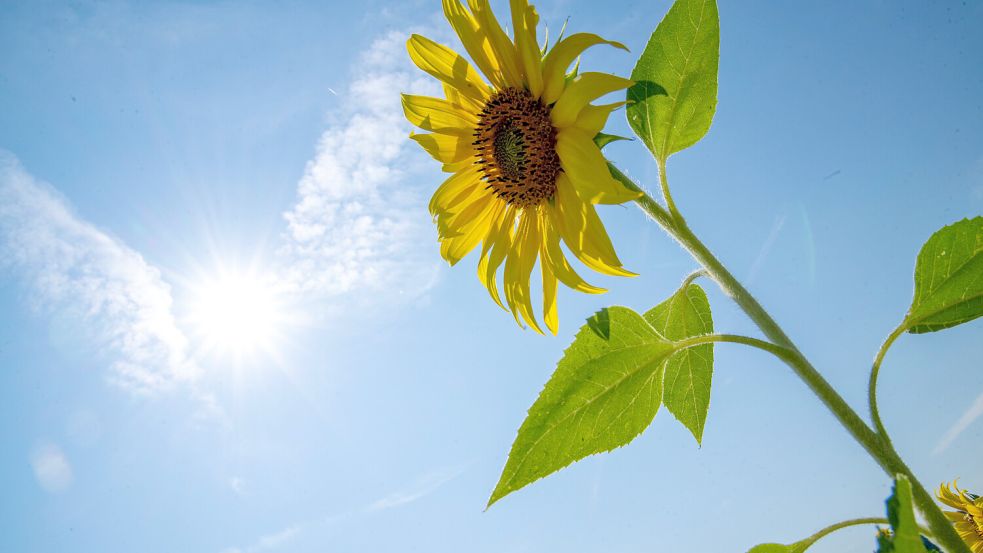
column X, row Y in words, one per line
column 968, row 517
column 526, row 172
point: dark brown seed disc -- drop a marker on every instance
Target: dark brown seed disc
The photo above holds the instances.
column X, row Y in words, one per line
column 516, row 147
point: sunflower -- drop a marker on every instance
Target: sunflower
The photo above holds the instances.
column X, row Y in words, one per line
column 526, row 170
column 968, row 518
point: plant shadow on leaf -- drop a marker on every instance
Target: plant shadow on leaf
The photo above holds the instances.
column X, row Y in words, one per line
column 600, row 323
column 643, row 90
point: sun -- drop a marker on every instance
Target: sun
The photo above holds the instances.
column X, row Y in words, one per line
column 237, row 313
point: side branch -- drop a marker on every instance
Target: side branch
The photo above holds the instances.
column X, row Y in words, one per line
column 880, row 450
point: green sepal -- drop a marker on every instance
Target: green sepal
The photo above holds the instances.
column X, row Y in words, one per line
column 603, row 139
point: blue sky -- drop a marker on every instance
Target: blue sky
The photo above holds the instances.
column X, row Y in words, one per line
column 151, row 150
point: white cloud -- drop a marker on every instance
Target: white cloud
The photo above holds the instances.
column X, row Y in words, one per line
column 237, row 484
column 360, row 222
column 51, row 468
column 359, row 230
column 424, row 486
column 79, row 273
column 969, row 417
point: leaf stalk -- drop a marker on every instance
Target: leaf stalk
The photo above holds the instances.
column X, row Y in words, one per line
column 872, row 387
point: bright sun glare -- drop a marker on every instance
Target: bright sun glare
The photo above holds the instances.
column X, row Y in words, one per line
column 237, row 314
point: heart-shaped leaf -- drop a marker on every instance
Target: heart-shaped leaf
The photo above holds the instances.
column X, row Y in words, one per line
column 605, row 391
column 686, row 392
column 671, row 104
column 948, row 278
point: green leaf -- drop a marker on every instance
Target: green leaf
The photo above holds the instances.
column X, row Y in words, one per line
column 605, row 391
column 603, row 139
column 688, row 373
column 948, row 278
column 905, row 536
column 671, row 104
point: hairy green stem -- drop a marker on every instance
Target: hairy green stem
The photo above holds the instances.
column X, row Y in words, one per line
column 872, row 387
column 879, row 450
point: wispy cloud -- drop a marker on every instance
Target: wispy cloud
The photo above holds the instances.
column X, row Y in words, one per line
column 359, row 222
column 424, row 486
column 78, row 272
column 968, row 417
column 358, row 229
column 51, row 468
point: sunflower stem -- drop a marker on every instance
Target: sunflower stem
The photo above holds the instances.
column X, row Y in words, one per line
column 881, row 451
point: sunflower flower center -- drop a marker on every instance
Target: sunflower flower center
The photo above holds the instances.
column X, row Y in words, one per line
column 516, row 146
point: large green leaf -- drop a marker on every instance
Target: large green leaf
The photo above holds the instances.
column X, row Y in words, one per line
column 948, row 278
column 672, row 102
column 687, row 375
column 606, row 390
column 905, row 537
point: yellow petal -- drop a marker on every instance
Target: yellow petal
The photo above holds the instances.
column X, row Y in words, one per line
column 552, row 255
column 583, row 232
column 445, row 148
column 434, row 114
column 584, row 89
column 518, row 269
column 449, row 194
column 524, row 21
column 558, row 59
column 474, row 40
column 454, row 224
column 455, row 97
column 446, row 65
column 947, row 496
column 455, row 248
column 503, row 48
column 510, row 274
column 458, row 165
column 499, row 242
column 583, row 163
column 549, row 298
column 593, row 118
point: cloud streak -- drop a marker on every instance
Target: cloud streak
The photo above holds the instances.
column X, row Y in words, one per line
column 78, row 272
column 968, row 417
column 422, row 487
column 269, row 541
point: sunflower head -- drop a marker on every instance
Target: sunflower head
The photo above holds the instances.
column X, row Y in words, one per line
column 518, row 142
column 968, row 516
